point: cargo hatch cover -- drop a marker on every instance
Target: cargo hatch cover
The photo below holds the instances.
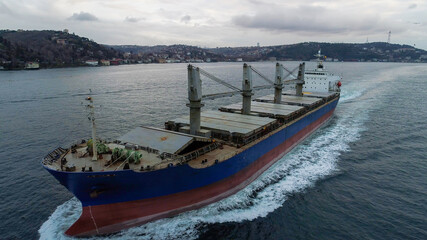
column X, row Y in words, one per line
column 160, row 139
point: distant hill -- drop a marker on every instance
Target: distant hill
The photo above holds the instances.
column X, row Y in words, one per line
column 375, row 52
column 183, row 53
column 61, row 49
column 49, row 48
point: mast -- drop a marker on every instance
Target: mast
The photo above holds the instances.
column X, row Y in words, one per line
column 300, row 80
column 92, row 119
column 195, row 98
column 247, row 89
column 278, row 84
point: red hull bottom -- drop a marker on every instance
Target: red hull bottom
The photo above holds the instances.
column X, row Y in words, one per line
column 110, row 218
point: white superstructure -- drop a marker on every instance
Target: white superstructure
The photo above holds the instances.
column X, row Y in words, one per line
column 319, row 79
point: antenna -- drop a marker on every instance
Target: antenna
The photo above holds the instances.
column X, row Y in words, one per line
column 319, row 59
column 389, row 36
column 91, row 106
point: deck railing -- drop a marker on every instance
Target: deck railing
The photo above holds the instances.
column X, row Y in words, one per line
column 53, row 156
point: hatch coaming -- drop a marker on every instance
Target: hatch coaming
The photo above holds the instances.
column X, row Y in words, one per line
column 161, row 140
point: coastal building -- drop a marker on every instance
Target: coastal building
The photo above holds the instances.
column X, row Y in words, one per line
column 115, row 62
column 91, row 62
column 32, row 65
column 61, row 41
column 105, row 62
column 173, row 61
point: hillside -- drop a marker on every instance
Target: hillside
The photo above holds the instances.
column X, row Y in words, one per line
column 174, row 53
column 61, row 49
column 49, row 48
column 374, row 52
column 377, row 51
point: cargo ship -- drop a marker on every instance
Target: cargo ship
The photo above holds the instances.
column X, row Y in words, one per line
column 197, row 159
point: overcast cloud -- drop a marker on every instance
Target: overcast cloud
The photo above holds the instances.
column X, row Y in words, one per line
column 210, row 23
column 186, row 19
column 133, row 19
column 83, row 16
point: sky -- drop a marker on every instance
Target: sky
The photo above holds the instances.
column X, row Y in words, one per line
column 224, row 23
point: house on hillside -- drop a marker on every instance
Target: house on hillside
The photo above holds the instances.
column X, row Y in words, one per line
column 32, row 65
column 91, row 62
column 61, row 41
column 105, row 62
column 115, row 62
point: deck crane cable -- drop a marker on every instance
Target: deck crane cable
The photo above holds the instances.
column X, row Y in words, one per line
column 236, row 89
column 262, row 76
column 208, row 75
column 289, row 72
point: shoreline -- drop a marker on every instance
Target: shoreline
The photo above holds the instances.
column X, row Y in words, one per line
column 78, row 66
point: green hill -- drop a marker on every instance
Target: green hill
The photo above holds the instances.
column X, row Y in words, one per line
column 49, row 48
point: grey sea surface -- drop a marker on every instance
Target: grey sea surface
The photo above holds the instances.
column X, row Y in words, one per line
column 362, row 176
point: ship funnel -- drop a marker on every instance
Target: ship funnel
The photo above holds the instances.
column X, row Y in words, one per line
column 278, row 84
column 195, row 98
column 247, row 89
column 300, row 81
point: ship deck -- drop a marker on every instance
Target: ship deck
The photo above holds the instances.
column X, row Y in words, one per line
column 229, row 123
column 292, row 100
column 324, row 95
column 265, row 109
column 226, row 133
column 81, row 161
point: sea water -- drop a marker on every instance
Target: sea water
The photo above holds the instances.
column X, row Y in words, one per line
column 361, row 176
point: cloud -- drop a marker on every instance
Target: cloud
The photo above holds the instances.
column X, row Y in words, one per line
column 83, row 16
column 223, row 22
column 186, row 19
column 133, row 19
column 412, row 6
column 312, row 19
column 4, row 9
